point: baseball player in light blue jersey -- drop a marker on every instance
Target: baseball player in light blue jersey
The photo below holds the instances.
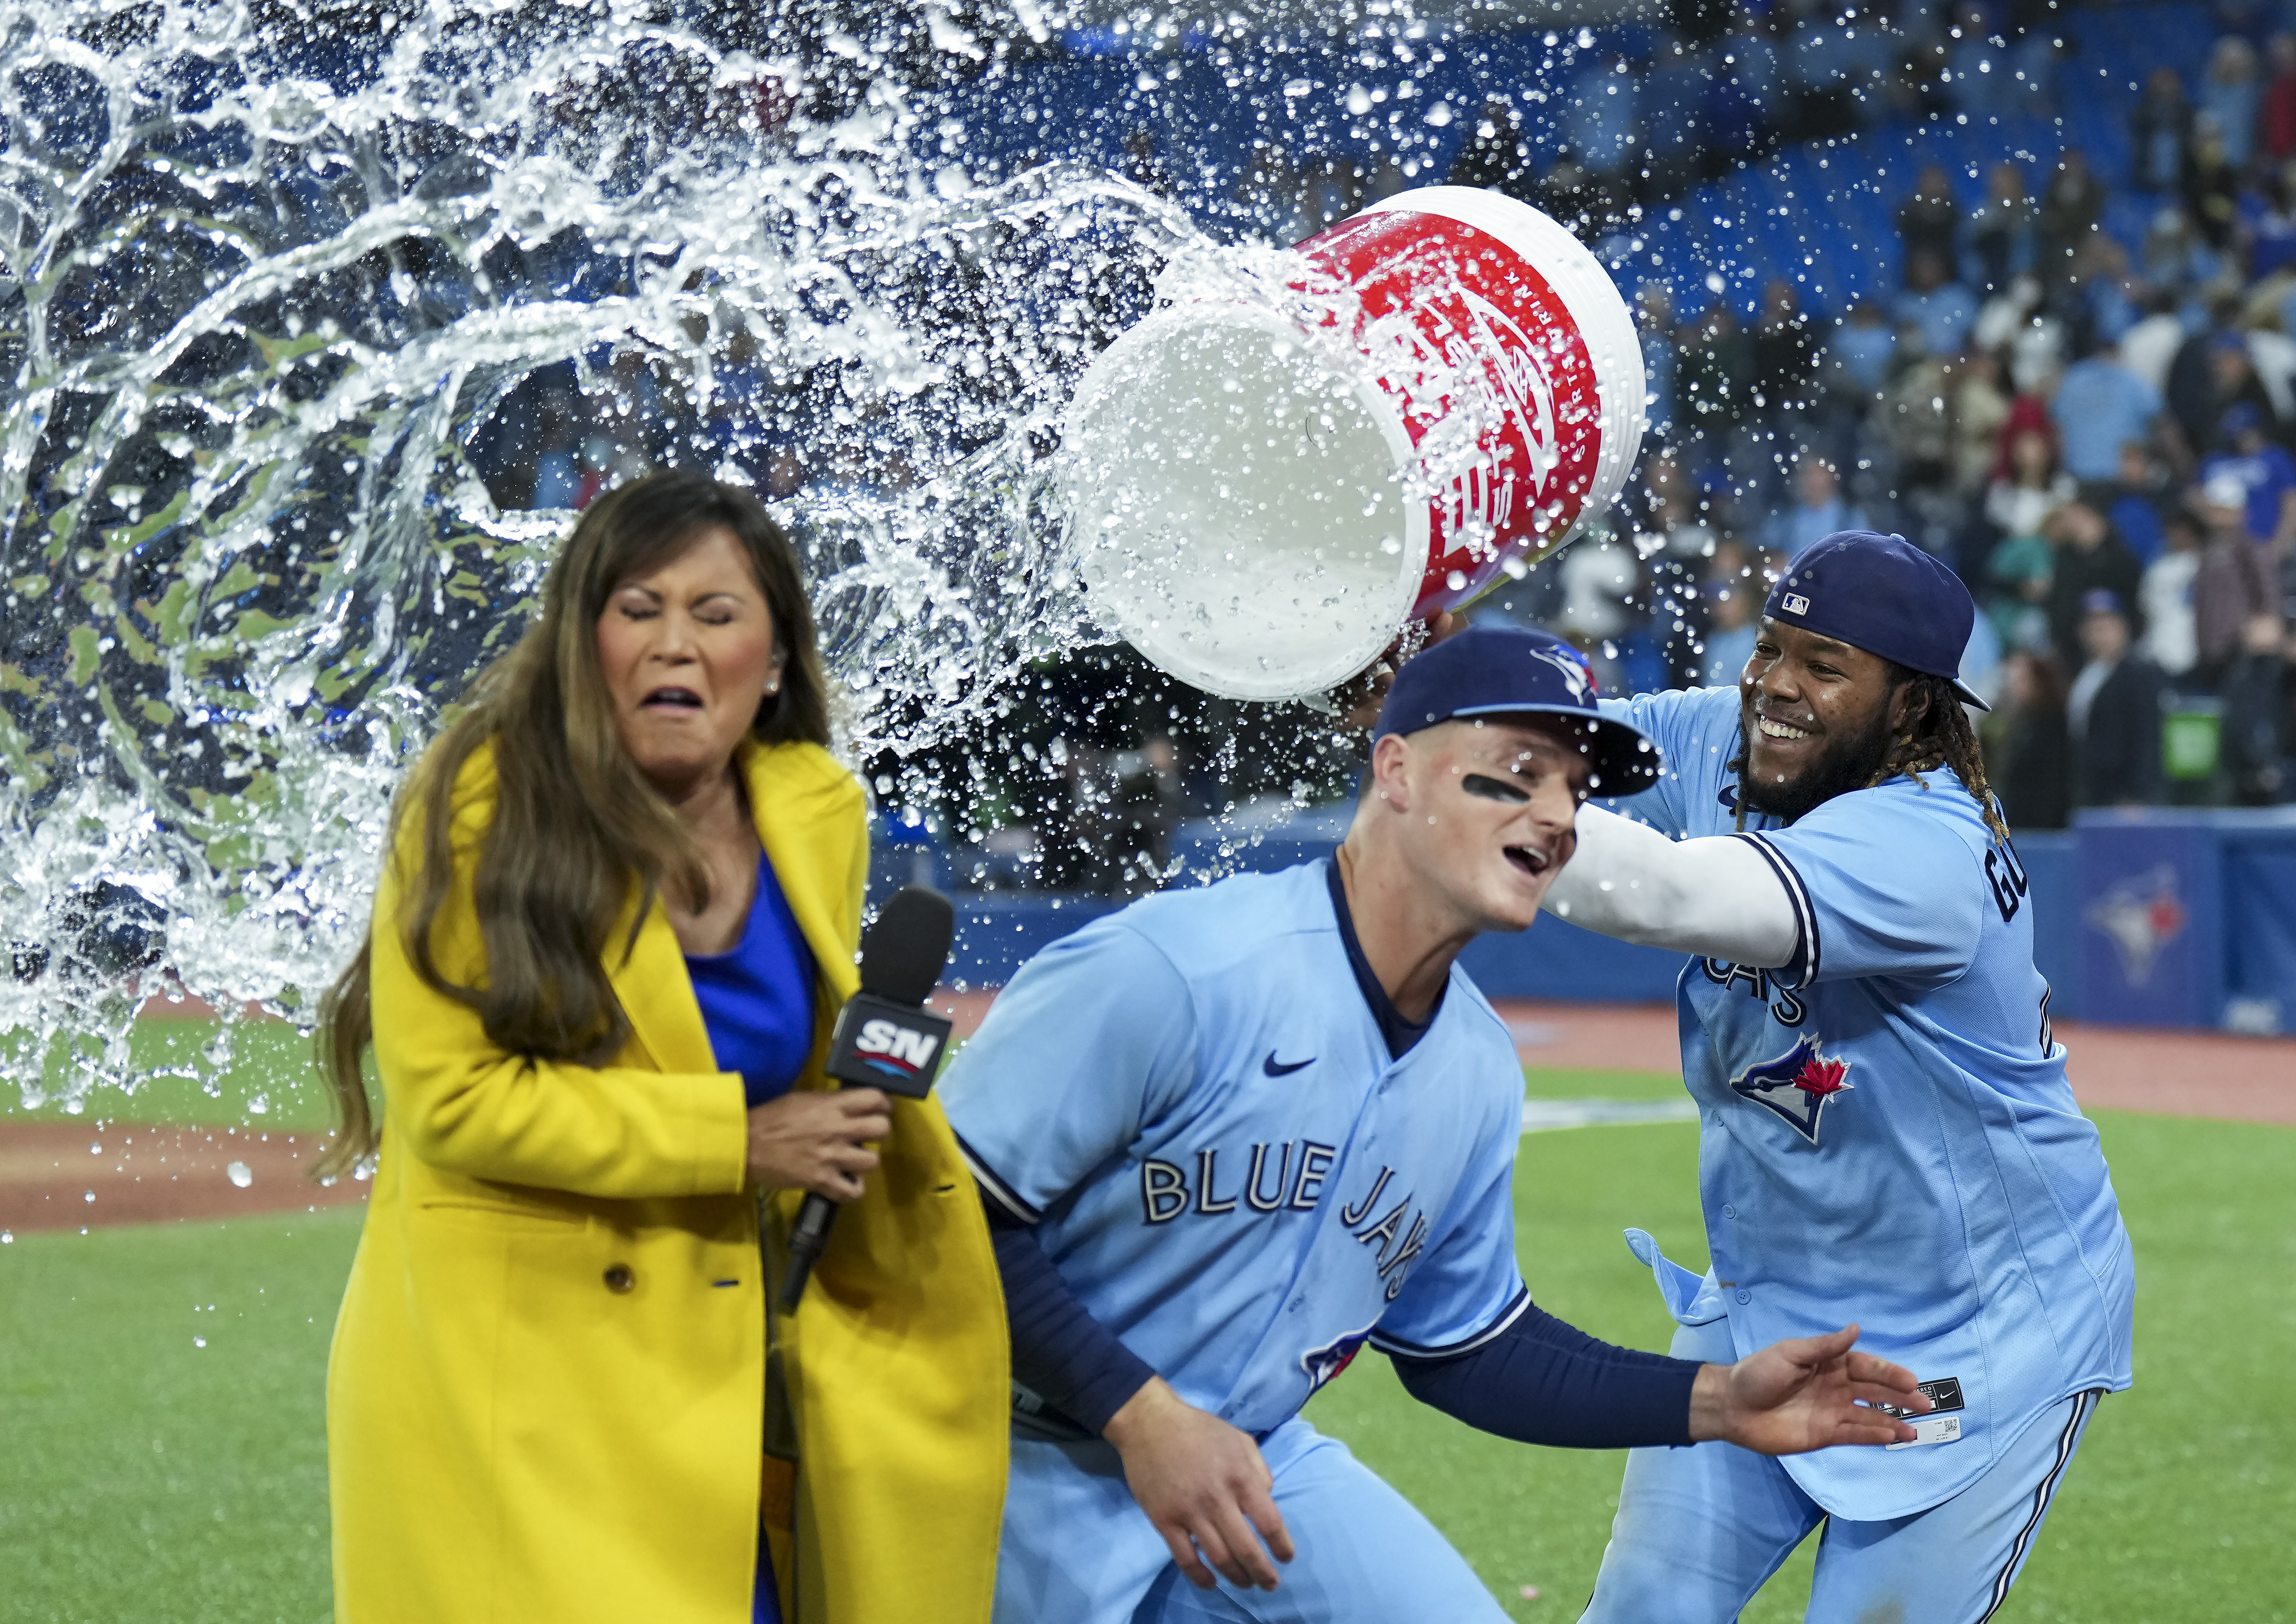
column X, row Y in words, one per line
column 1887, row 1131
column 1229, row 1136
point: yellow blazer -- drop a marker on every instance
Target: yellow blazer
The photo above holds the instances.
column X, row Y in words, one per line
column 545, row 1393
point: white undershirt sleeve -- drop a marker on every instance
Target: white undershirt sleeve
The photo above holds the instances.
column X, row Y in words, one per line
column 1719, row 897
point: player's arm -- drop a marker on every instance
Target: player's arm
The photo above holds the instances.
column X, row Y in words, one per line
column 1719, row 897
column 1201, row 1481
column 1542, row 1381
column 1095, row 1038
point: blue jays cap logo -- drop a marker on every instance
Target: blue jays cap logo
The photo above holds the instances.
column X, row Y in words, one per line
column 1573, row 669
column 1796, row 1085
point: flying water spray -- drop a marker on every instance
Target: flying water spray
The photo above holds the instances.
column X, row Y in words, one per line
column 276, row 289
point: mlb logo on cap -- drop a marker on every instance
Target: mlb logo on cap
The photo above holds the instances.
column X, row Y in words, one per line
column 1794, row 603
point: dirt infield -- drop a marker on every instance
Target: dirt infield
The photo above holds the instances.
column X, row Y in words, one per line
column 72, row 1175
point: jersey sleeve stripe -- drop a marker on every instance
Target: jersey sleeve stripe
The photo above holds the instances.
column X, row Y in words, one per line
column 1395, row 1347
column 1803, row 968
column 1006, row 1196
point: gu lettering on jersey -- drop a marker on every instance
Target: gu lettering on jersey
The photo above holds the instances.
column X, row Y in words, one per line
column 1797, row 1085
column 1398, row 1230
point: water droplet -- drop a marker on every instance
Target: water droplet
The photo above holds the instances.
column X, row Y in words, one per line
column 240, row 1174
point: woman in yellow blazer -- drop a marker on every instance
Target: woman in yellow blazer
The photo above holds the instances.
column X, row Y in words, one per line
column 546, row 1393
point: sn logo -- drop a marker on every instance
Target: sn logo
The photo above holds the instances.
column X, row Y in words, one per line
column 909, row 1049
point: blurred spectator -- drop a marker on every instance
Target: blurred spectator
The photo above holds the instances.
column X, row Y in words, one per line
column 557, row 471
column 2134, row 509
column 2232, row 583
column 2032, row 769
column 2231, row 96
column 1716, row 371
column 2001, row 230
column 2100, row 406
column 2113, row 713
column 2089, row 560
column 1929, row 221
column 2017, row 576
column 1601, row 116
column 2276, row 124
column 1857, row 357
column 2035, row 487
column 1916, row 415
column 1942, row 308
column 2268, row 216
column 1734, row 591
column 2159, row 130
column 2069, row 211
column 2174, row 257
column 2211, row 185
column 1656, row 310
column 2255, row 709
column 2149, row 349
column 2264, row 470
column 1144, row 165
column 1979, row 412
column 1784, row 356
column 1498, row 153
column 2171, row 634
column 1818, row 510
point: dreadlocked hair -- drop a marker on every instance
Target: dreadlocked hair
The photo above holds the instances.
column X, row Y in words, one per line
column 1938, row 734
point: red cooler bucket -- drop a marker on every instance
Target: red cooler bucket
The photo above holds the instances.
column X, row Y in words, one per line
column 1242, row 505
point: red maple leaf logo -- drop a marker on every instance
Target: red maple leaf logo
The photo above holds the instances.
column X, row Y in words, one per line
column 1819, row 1077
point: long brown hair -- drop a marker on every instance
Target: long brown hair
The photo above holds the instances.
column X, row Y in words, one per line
column 575, row 823
column 1936, row 734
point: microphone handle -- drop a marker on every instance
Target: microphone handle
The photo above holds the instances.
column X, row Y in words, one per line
column 808, row 1237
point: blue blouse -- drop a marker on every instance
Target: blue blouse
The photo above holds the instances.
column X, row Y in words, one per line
column 757, row 1005
column 757, row 1000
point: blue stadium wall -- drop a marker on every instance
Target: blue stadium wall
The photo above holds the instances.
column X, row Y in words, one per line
column 2159, row 917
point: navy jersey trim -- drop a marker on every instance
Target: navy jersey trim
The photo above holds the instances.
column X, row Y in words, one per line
column 987, row 1177
column 1801, row 969
column 1395, row 1347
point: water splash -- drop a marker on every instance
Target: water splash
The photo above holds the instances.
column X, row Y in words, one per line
column 260, row 321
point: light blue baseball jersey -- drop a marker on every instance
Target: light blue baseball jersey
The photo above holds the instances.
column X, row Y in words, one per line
column 1194, row 1104
column 1887, row 1134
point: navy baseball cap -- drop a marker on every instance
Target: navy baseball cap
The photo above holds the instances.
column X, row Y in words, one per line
column 1498, row 670
column 1884, row 595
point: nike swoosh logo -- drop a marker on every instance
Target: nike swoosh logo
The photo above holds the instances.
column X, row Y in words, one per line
column 1276, row 1068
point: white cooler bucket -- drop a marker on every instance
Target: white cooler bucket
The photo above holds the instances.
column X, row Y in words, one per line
column 1241, row 509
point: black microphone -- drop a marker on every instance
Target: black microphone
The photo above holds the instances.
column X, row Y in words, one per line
column 884, row 1039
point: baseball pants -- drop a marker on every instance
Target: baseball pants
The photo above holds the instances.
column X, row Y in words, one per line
column 1078, row 1549
column 1700, row 1530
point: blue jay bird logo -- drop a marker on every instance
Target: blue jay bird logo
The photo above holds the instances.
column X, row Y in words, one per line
column 1796, row 1085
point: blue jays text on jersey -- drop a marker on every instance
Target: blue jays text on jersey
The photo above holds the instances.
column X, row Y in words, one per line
column 1887, row 1134
column 1195, row 1105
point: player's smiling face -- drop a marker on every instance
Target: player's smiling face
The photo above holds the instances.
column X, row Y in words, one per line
column 1818, row 714
column 1491, row 807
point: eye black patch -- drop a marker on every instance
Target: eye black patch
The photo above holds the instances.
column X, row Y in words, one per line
column 1492, row 790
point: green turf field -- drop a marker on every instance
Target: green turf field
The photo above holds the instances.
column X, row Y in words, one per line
column 145, row 1476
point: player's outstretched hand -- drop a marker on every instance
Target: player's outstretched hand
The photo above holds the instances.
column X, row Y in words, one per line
column 1203, row 1485
column 1807, row 1393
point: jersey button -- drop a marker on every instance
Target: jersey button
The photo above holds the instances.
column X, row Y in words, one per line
column 1744, row 1296
column 1729, row 1212
column 621, row 1278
